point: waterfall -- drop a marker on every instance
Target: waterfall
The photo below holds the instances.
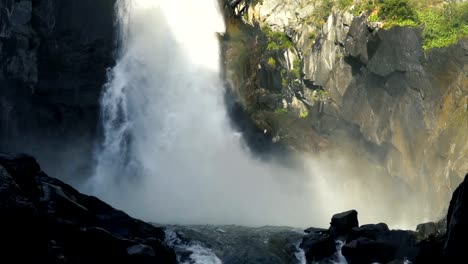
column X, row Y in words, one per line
column 169, row 154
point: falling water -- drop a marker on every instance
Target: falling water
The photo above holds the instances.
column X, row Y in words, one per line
column 169, row 154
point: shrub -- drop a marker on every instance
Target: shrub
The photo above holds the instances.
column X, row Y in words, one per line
column 277, row 40
column 397, row 10
column 343, row 4
column 364, row 6
column 296, row 70
column 281, row 111
column 444, row 26
column 304, row 114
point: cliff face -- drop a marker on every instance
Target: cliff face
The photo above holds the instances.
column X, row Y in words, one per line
column 373, row 93
column 53, row 61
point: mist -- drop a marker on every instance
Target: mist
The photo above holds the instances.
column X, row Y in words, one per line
column 169, row 154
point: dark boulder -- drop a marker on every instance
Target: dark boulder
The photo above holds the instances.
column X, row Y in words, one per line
column 342, row 223
column 318, row 245
column 370, row 231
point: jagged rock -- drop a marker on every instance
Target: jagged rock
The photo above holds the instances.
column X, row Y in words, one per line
column 399, row 50
column 343, row 222
column 54, row 223
column 318, row 245
column 368, row 231
column 356, row 41
column 401, row 107
column 457, row 224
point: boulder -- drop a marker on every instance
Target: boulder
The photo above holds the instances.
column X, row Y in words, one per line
column 364, row 250
column 318, row 245
column 371, row 231
column 343, row 222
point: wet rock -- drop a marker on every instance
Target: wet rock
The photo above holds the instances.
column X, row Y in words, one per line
column 343, row 222
column 318, row 245
column 364, row 250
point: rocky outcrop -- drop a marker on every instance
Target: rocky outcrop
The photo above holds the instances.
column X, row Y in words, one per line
column 365, row 244
column 361, row 89
column 44, row 220
column 376, row 243
column 53, row 60
column 457, row 219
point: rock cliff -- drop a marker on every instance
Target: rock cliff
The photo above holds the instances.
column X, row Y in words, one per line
column 344, row 83
column 53, row 61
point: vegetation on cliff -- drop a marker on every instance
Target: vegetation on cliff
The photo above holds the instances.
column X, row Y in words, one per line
column 443, row 22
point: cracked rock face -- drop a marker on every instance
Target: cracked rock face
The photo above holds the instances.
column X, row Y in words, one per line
column 401, row 108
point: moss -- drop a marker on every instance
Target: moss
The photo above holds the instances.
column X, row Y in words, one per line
column 323, row 93
column 272, row 62
column 276, row 40
column 364, row 6
column 312, row 36
column 324, row 9
column 374, row 17
column 296, row 70
column 304, row 114
column 344, row 4
column 281, row 111
column 443, row 24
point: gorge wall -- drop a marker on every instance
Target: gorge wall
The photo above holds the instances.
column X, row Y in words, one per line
column 313, row 82
column 53, row 61
column 341, row 85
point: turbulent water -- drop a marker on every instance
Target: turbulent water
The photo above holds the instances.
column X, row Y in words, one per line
column 169, row 154
column 236, row 244
column 208, row 244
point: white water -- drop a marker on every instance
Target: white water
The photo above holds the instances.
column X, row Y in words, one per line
column 199, row 255
column 169, row 154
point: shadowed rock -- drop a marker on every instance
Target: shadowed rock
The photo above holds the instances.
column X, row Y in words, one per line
column 457, row 223
column 54, row 223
